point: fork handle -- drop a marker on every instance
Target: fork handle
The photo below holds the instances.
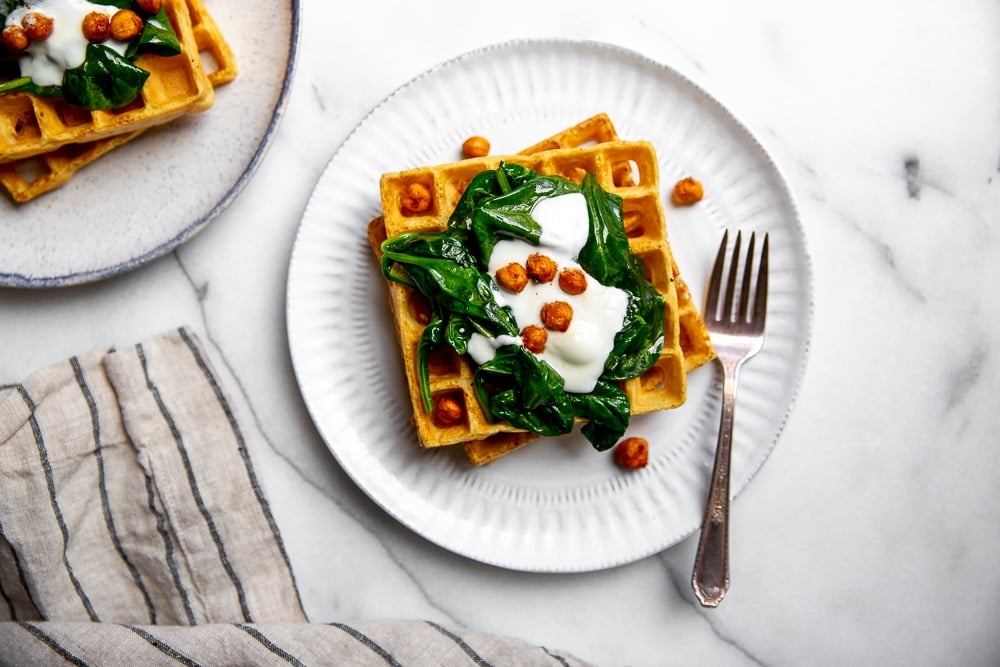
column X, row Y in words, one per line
column 710, row 578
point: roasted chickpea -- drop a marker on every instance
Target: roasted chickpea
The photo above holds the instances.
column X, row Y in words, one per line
column 15, row 39
column 512, row 277
column 96, row 27
column 416, row 199
column 541, row 268
column 476, row 147
column 126, row 25
column 534, row 338
column 573, row 281
column 687, row 191
column 557, row 315
column 150, row 6
column 632, row 453
column 448, row 411
column 37, row 26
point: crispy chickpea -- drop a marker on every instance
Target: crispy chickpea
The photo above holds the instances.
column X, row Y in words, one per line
column 557, row 315
column 687, row 191
column 416, row 199
column 632, row 453
column 15, row 39
column 573, row 281
column 448, row 411
column 126, row 25
column 541, row 268
column 476, row 147
column 96, row 27
column 534, row 338
column 150, row 6
column 37, row 26
column 512, row 277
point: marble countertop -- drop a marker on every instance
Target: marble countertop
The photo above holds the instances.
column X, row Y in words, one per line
column 870, row 534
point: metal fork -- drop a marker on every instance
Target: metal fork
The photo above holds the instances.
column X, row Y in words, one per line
column 737, row 334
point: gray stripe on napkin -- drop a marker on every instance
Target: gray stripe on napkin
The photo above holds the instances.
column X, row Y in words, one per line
column 152, row 512
column 134, row 530
column 57, row 514
column 103, row 488
column 400, row 643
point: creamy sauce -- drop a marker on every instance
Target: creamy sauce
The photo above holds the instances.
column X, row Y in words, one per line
column 46, row 61
column 579, row 353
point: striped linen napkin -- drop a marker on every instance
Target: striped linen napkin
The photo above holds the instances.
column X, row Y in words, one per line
column 134, row 529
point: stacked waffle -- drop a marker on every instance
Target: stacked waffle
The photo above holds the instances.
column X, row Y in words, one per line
column 626, row 169
column 45, row 141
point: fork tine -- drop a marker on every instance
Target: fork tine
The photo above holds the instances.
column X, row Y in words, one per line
column 731, row 281
column 760, row 298
column 715, row 281
column 743, row 315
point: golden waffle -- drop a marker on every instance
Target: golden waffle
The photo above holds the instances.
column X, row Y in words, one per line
column 597, row 129
column 28, row 178
column 662, row 387
column 694, row 339
column 211, row 43
column 31, row 125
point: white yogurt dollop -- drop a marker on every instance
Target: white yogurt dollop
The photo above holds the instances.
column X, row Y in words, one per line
column 579, row 353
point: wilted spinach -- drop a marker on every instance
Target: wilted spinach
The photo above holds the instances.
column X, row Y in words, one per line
column 26, row 85
column 105, row 79
column 449, row 268
column 607, row 257
column 7, row 6
column 157, row 37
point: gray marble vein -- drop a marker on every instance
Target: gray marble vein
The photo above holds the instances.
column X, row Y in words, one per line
column 868, row 538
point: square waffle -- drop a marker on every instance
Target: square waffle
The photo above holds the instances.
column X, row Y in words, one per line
column 31, row 125
column 27, row 178
column 663, row 386
column 694, row 339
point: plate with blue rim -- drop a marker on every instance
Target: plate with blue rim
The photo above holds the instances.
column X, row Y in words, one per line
column 145, row 198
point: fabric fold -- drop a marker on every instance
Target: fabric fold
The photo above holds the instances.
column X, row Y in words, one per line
column 134, row 530
column 128, row 494
column 383, row 643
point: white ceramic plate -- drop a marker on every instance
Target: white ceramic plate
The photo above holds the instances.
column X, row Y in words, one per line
column 144, row 199
column 556, row 505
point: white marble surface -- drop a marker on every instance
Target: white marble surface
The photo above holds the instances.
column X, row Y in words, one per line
column 869, row 537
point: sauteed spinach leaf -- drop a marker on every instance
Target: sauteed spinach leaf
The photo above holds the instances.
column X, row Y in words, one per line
column 157, row 37
column 7, row 6
column 25, row 84
column 105, row 80
column 450, row 268
column 607, row 257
